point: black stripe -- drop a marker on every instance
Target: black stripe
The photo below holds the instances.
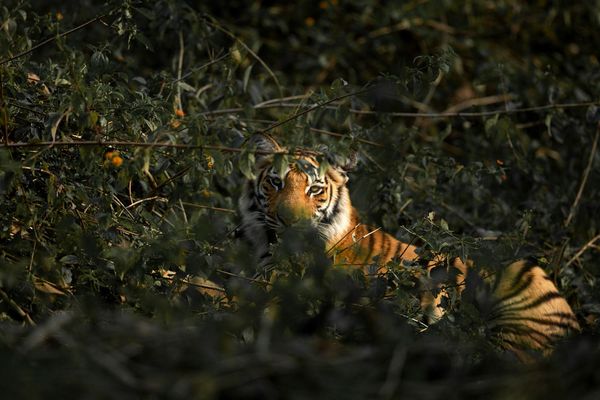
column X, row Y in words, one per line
column 385, row 245
column 330, row 187
column 271, row 235
column 253, row 207
column 529, row 265
column 336, row 210
column 541, row 339
column 370, row 245
column 537, row 302
column 540, row 321
column 518, row 290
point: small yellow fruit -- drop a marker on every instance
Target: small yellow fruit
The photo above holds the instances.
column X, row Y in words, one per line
column 179, row 112
column 236, row 55
column 210, row 162
column 116, row 161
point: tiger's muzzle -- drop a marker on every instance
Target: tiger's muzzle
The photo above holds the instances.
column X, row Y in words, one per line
column 293, row 214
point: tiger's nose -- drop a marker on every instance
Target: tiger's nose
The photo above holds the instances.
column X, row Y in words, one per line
column 291, row 215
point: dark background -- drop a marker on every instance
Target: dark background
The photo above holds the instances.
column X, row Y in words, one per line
column 87, row 309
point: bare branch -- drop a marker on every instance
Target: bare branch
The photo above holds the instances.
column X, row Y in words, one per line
column 92, row 143
column 444, row 114
column 227, row 210
column 3, row 107
column 16, row 307
column 582, row 250
column 584, row 178
column 310, row 109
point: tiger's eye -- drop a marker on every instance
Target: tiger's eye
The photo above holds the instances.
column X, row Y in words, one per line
column 315, row 189
column 276, row 182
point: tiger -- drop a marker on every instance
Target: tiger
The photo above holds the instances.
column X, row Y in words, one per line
column 526, row 313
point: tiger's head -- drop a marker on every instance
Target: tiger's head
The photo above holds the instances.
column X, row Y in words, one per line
column 300, row 190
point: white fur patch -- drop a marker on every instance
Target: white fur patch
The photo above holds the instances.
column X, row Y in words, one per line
column 340, row 224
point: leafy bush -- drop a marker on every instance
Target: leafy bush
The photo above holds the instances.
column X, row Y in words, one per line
column 123, row 157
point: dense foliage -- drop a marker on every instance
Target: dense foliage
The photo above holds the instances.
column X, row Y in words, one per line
column 123, row 157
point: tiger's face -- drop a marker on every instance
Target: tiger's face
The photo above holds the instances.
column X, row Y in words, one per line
column 301, row 193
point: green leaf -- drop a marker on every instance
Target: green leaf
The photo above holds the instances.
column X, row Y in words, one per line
column 69, row 259
column 444, row 224
column 246, row 164
column 185, row 87
column 490, row 123
column 548, row 123
column 338, row 84
column 280, row 163
column 323, row 165
column 92, row 119
column 247, row 73
column 53, row 122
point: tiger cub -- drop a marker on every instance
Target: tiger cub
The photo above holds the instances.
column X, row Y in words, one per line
column 527, row 310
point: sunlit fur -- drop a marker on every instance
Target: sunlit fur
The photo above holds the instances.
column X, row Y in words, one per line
column 526, row 310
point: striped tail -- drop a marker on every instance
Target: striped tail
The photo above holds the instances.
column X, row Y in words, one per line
column 527, row 311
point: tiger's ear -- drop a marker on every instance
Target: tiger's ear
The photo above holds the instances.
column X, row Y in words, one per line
column 263, row 143
column 343, row 164
column 350, row 162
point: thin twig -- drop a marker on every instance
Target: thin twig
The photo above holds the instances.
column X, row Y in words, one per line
column 3, row 106
column 355, row 242
column 178, row 104
column 584, row 179
column 164, row 218
column 137, row 144
column 160, row 198
column 310, row 109
column 254, row 280
column 187, row 282
column 406, row 25
column 34, row 170
column 16, row 307
column 282, row 100
column 479, row 101
column 53, row 38
column 125, row 208
column 31, row 110
column 215, row 25
column 208, row 64
column 582, row 250
column 351, row 231
column 185, row 219
column 30, row 267
column 177, row 175
column 460, row 114
column 340, row 135
column 228, row 210
column 321, row 131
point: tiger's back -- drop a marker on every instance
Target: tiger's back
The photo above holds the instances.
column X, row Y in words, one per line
column 525, row 310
